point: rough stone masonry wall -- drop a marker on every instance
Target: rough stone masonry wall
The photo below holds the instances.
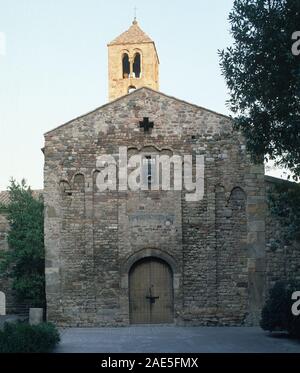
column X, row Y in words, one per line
column 92, row 238
column 224, row 240
column 232, row 255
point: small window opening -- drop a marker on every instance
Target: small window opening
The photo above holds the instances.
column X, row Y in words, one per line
column 137, row 66
column 149, row 171
column 126, row 66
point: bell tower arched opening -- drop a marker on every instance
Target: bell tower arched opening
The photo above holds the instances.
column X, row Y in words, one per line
column 137, row 68
column 125, row 66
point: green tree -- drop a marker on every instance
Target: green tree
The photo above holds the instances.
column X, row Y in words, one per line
column 24, row 262
column 284, row 203
column 263, row 77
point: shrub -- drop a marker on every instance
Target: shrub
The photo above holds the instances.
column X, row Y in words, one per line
column 22, row 337
column 277, row 312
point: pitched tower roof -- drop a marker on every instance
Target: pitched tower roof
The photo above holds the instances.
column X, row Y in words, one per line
column 134, row 35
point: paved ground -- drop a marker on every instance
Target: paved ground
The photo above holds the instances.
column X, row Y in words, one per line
column 174, row 339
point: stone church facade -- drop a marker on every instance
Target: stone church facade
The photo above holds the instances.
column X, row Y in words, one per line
column 119, row 257
column 204, row 257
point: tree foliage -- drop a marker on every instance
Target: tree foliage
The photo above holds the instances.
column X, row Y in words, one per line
column 263, row 77
column 284, row 203
column 24, row 262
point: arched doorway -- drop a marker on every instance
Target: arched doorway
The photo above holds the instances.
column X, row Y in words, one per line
column 151, row 292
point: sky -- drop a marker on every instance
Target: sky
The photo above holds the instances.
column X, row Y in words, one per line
column 53, row 65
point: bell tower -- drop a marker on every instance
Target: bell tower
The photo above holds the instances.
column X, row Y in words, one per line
column 132, row 62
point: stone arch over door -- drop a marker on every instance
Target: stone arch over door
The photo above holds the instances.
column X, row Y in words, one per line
column 158, row 255
column 2, row 304
column 151, row 299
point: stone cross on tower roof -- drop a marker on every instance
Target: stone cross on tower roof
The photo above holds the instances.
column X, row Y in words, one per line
column 135, row 11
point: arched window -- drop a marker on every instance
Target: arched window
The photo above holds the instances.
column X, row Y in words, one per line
column 131, row 88
column 237, row 203
column 79, row 183
column 137, row 65
column 149, row 172
column 126, row 66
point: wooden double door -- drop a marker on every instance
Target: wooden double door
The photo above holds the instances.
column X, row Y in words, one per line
column 151, row 292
